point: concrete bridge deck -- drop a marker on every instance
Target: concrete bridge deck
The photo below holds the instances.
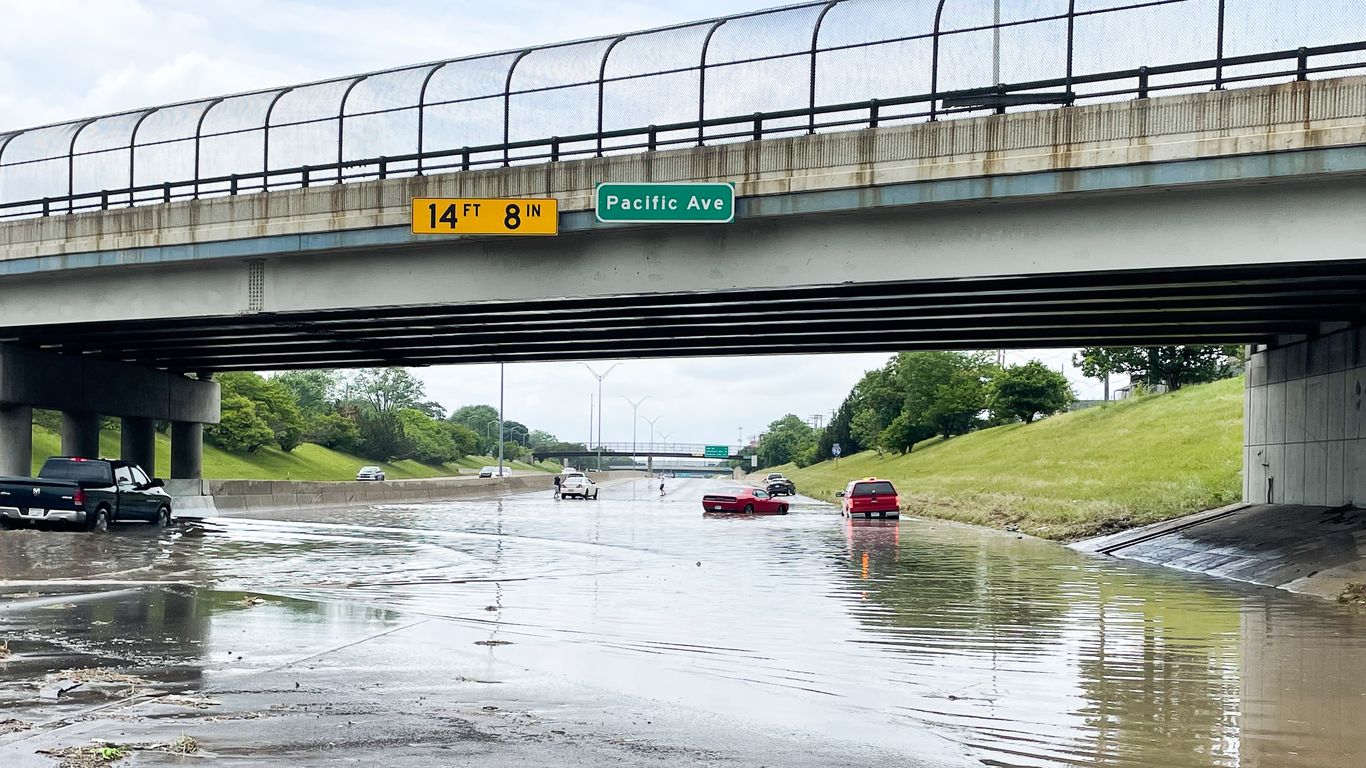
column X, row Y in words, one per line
column 1230, row 216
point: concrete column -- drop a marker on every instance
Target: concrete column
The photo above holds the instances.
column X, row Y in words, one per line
column 81, row 434
column 16, row 440
column 187, row 450
column 137, row 442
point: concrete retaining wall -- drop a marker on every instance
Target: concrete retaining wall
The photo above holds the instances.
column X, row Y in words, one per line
column 224, row 497
column 1305, row 434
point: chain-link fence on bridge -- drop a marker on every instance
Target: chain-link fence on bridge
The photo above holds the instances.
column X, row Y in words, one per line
column 817, row 66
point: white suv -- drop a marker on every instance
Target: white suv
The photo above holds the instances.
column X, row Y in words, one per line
column 494, row 472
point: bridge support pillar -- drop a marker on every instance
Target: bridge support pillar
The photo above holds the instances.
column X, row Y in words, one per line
column 1305, row 422
column 81, row 434
column 16, row 440
column 137, row 442
column 187, row 450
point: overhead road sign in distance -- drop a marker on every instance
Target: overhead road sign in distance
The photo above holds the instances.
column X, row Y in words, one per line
column 666, row 203
column 486, row 216
column 716, row 452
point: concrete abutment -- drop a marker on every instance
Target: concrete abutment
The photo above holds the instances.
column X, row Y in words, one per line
column 84, row 390
column 1305, row 422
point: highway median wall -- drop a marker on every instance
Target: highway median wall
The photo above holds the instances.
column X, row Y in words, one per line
column 227, row 497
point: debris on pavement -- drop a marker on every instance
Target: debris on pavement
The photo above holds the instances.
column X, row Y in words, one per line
column 251, row 600
column 13, row 726
column 493, row 642
column 1353, row 594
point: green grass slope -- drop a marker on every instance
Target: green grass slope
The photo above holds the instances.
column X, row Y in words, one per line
column 1095, row 471
column 306, row 462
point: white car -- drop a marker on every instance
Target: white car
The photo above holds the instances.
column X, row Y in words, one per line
column 370, row 473
column 578, row 486
column 495, row 472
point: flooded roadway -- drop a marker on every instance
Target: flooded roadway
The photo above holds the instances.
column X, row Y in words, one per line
column 632, row 629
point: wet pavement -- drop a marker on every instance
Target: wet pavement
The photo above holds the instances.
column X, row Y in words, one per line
column 528, row 631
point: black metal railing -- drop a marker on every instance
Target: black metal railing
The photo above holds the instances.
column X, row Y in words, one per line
column 792, row 63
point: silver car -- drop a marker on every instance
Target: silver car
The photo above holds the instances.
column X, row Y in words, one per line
column 370, row 473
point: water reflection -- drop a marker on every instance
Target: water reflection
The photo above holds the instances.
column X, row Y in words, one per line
column 909, row 635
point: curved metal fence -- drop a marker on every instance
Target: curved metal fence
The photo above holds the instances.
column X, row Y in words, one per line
column 816, row 66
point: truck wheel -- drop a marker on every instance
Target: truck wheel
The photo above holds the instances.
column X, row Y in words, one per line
column 749, row 509
column 6, row 524
column 164, row 517
column 99, row 522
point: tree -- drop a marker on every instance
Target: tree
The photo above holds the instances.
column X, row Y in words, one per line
column 314, row 391
column 240, row 428
column 786, row 440
column 388, row 389
column 1099, row 363
column 428, row 440
column 1026, row 391
column 477, row 418
column 1173, row 367
column 272, row 402
column 957, row 405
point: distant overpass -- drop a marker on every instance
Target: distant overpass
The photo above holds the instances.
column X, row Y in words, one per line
column 652, row 450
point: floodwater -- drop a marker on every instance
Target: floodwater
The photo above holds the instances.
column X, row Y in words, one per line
column 936, row 643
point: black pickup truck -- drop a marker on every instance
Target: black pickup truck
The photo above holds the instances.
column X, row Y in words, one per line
column 86, row 492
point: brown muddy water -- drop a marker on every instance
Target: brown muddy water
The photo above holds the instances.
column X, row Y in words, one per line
column 940, row 643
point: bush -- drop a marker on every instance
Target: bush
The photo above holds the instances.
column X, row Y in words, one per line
column 241, row 429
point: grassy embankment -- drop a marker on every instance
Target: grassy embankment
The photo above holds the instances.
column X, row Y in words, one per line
column 306, row 462
column 1075, row 475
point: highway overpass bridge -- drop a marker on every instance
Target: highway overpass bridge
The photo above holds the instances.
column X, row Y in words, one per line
column 1203, row 192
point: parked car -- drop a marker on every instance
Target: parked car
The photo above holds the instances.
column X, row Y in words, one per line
column 579, row 486
column 495, row 472
column 87, row 492
column 744, row 500
column 778, row 485
column 870, row 496
column 370, row 473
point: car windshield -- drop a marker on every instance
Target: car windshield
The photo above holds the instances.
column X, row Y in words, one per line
column 872, row 488
column 369, row 469
column 72, row 469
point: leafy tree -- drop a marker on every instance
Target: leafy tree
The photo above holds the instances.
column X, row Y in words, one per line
column 314, row 391
column 381, row 435
column 432, row 409
column 271, row 401
column 335, row 431
column 786, row 439
column 957, row 405
column 465, row 440
column 1174, row 367
column 428, row 440
column 388, row 389
column 240, row 428
column 903, row 433
column 1026, row 391
column 477, row 418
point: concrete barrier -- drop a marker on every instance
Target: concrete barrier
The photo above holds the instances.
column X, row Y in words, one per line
column 224, row 497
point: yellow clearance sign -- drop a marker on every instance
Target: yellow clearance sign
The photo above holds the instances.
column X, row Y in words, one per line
column 485, row 216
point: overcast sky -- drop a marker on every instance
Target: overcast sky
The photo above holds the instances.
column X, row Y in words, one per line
column 65, row 59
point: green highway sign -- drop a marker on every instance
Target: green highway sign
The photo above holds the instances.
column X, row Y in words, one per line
column 666, row 203
column 716, row 452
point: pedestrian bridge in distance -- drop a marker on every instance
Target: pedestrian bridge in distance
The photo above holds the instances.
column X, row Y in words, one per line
column 642, row 449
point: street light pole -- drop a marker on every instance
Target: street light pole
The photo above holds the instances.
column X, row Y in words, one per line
column 650, row 459
column 599, row 377
column 634, row 405
column 500, row 419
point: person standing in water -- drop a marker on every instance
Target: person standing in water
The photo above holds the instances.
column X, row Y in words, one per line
column 558, row 481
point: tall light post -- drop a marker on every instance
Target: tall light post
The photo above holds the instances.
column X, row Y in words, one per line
column 650, row 459
column 488, row 429
column 599, row 377
column 634, row 405
column 500, row 419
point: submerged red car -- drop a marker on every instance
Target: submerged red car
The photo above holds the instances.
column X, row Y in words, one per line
column 870, row 496
column 744, row 500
